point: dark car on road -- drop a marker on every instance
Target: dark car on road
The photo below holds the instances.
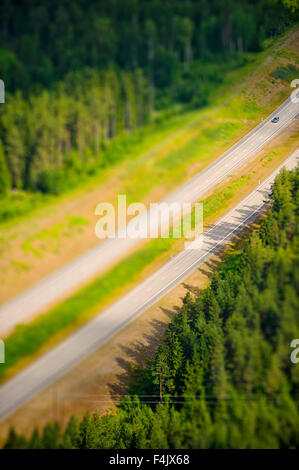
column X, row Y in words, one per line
column 275, row 119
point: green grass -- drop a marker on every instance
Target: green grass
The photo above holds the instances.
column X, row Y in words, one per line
column 27, row 339
column 19, row 203
column 173, row 167
column 215, row 203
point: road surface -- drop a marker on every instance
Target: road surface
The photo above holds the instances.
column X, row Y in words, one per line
column 95, row 333
column 37, row 298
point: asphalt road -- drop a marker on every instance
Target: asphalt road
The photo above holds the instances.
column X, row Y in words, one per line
column 95, row 333
column 37, row 298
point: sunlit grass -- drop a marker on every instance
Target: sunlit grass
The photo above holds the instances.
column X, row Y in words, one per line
column 29, row 341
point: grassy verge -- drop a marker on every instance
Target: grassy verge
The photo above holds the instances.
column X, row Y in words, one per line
column 128, row 148
column 19, row 204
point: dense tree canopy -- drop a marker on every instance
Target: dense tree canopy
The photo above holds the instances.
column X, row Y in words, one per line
column 223, row 377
